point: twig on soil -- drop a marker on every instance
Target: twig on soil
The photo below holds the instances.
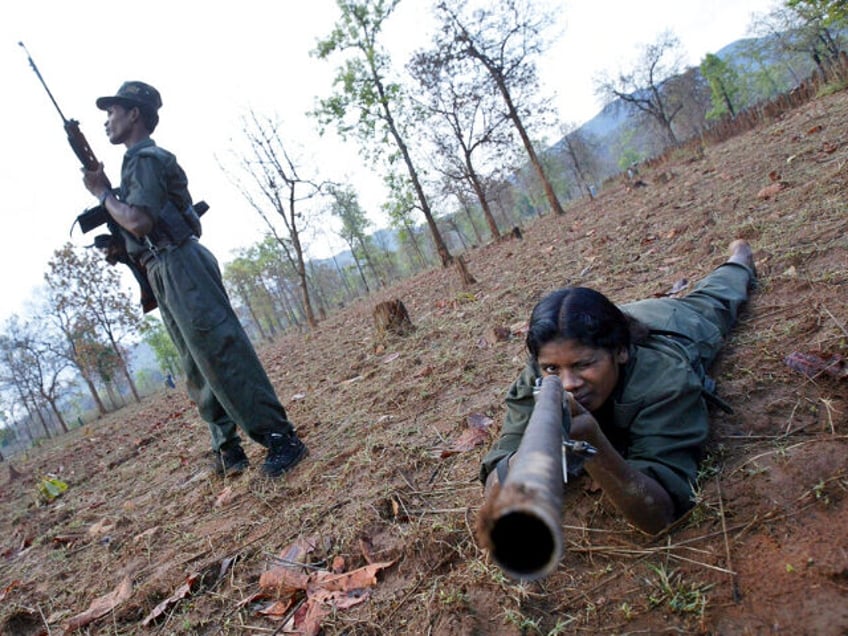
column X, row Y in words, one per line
column 829, row 408
column 833, row 318
column 288, row 616
column 734, row 582
column 786, row 449
column 44, row 620
column 791, row 415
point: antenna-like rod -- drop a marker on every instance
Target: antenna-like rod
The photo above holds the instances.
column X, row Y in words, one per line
column 41, row 79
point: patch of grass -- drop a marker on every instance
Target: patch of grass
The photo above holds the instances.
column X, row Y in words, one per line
column 820, row 493
column 526, row 624
column 670, row 590
column 832, row 87
column 453, row 597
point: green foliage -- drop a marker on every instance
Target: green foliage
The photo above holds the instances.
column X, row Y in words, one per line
column 156, row 337
column 363, row 94
column 627, row 154
column 724, row 86
column 831, row 12
column 50, row 487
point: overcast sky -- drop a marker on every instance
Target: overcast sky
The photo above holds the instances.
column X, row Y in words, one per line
column 213, row 62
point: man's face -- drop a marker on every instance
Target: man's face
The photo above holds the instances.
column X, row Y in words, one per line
column 588, row 373
column 119, row 123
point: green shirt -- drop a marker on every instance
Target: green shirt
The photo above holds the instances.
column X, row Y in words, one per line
column 150, row 177
column 657, row 418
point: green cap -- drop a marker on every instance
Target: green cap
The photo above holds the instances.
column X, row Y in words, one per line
column 133, row 94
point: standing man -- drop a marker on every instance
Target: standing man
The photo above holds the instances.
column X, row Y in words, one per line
column 161, row 229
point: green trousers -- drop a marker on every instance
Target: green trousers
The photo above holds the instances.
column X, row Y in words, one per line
column 701, row 320
column 224, row 375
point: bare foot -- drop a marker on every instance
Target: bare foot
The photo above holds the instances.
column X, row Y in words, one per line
column 742, row 254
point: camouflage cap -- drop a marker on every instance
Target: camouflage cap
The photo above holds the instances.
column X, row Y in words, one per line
column 133, row 94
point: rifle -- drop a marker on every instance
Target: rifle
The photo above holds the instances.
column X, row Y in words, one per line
column 520, row 523
column 113, row 243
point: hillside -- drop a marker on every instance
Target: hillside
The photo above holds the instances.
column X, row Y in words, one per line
column 143, row 521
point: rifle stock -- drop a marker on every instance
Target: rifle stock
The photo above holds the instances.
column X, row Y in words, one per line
column 79, row 144
column 520, row 523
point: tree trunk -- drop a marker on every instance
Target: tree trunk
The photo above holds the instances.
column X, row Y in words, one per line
column 512, row 111
column 484, row 202
column 465, row 275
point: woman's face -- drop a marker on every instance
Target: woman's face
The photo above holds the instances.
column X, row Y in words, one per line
column 588, row 373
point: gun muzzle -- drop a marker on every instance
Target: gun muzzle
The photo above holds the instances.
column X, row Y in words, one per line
column 521, row 521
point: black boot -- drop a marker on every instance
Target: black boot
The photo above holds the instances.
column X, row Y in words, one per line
column 230, row 459
column 285, row 450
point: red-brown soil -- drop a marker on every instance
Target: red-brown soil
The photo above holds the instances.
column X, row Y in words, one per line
column 765, row 551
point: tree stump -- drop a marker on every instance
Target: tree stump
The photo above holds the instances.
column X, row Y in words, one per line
column 391, row 317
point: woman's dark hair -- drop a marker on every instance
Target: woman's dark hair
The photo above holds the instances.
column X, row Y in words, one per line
column 584, row 315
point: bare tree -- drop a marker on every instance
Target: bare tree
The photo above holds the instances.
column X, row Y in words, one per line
column 812, row 27
column 504, row 38
column 241, row 275
column 275, row 181
column 642, row 86
column 34, row 368
column 80, row 282
column 467, row 120
column 580, row 157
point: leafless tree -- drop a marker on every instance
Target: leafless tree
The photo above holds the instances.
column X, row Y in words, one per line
column 467, row 120
column 642, row 85
column 268, row 179
column 505, row 39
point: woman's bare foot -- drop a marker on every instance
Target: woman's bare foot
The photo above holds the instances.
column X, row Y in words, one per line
column 742, row 254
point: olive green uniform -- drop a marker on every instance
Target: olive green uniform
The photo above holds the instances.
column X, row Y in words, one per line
column 223, row 373
column 657, row 416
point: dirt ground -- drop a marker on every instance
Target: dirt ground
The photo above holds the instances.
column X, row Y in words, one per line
column 147, row 540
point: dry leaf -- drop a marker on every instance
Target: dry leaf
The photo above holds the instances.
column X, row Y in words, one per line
column 770, row 190
column 147, row 533
column 366, row 576
column 470, row 439
column 478, row 420
column 225, row 497
column 6, row 590
column 277, row 609
column 101, row 527
column 182, row 592
column 498, row 334
column 101, row 606
column 283, row 580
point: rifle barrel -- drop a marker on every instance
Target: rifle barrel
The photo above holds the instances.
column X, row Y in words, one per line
column 521, row 523
column 43, row 83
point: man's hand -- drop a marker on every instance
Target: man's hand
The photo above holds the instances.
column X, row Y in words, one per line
column 96, row 181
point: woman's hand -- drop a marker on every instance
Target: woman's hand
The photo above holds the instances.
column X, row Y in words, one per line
column 642, row 500
column 584, row 426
